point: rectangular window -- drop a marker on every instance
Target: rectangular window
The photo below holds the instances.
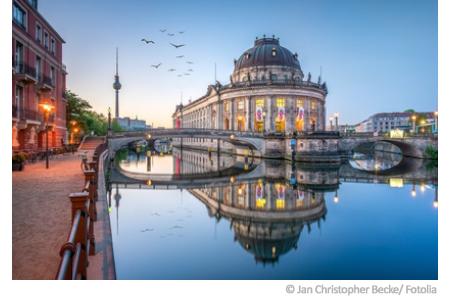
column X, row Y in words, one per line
column 38, row 33
column 241, row 105
column 18, row 57
column 259, row 102
column 313, row 105
column 53, row 47
column 19, row 97
column 280, row 102
column 300, row 102
column 38, row 66
column 46, row 40
column 19, row 15
column 52, row 75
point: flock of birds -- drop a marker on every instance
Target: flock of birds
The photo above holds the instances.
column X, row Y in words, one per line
column 176, row 46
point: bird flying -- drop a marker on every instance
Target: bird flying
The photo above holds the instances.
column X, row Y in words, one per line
column 156, row 66
column 163, row 30
column 180, row 32
column 190, row 70
column 171, row 70
column 147, row 41
column 171, row 34
column 189, row 62
column 180, row 56
column 187, row 74
column 178, row 46
column 179, row 75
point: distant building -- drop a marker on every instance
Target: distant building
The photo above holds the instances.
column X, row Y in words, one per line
column 347, row 128
column 267, row 93
column 385, row 122
column 38, row 76
column 131, row 124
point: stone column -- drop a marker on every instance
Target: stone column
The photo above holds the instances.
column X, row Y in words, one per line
column 290, row 115
column 248, row 125
column 233, row 114
column 268, row 119
column 307, row 109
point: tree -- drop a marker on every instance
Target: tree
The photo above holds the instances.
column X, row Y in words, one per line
column 410, row 111
column 88, row 120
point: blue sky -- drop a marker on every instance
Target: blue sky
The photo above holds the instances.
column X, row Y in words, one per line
column 376, row 56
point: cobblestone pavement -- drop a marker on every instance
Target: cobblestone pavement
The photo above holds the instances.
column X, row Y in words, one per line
column 41, row 214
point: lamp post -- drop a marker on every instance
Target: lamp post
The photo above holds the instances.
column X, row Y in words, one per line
column 73, row 123
column 336, row 116
column 331, row 123
column 435, row 121
column 46, row 108
column 413, row 118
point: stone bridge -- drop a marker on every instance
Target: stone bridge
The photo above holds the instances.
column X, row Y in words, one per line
column 410, row 146
column 311, row 146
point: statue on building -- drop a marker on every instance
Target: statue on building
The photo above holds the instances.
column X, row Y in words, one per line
column 309, row 77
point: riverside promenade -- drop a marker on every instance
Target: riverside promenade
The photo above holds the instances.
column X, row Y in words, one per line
column 41, row 214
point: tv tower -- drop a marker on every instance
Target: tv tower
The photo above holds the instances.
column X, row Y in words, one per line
column 116, row 84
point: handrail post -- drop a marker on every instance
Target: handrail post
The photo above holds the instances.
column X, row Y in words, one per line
column 89, row 176
column 92, row 189
column 79, row 202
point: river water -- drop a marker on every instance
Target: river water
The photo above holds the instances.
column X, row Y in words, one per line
column 196, row 215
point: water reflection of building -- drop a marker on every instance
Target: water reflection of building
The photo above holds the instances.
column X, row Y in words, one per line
column 267, row 217
column 267, row 93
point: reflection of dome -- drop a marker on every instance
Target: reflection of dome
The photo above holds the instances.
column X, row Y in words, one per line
column 267, row 250
column 267, row 52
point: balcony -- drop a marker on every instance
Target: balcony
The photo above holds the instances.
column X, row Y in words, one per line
column 30, row 115
column 25, row 73
column 46, row 84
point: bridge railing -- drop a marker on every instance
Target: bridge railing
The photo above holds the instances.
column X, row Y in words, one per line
column 80, row 243
column 223, row 133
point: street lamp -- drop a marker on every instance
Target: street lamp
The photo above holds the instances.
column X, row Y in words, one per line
column 336, row 197
column 414, row 117
column 331, row 123
column 47, row 109
column 435, row 121
column 336, row 116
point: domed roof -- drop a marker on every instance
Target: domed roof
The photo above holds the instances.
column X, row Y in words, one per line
column 267, row 52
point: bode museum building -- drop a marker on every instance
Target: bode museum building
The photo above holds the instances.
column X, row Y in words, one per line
column 267, row 93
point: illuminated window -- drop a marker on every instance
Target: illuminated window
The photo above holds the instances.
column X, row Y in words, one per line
column 280, row 102
column 259, row 102
column 300, row 102
column 279, row 204
column 274, row 52
column 241, row 105
column 260, row 203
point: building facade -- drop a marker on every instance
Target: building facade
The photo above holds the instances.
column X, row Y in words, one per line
column 127, row 123
column 38, row 76
column 385, row 122
column 267, row 93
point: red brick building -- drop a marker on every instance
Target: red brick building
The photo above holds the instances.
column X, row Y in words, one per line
column 38, row 75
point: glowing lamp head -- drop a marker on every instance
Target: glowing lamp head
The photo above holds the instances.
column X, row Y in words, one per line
column 413, row 193
column 336, row 199
column 46, row 107
column 435, row 204
column 413, row 117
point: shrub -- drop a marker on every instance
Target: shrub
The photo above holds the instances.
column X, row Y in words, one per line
column 19, row 157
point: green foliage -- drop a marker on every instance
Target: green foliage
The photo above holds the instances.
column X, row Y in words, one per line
column 410, row 111
column 431, row 153
column 88, row 120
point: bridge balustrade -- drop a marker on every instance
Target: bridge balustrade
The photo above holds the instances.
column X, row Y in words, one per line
column 80, row 243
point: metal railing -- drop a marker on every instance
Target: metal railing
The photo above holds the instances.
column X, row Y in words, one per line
column 81, row 240
column 25, row 69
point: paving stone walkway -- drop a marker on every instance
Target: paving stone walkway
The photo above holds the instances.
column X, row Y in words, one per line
column 41, row 214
